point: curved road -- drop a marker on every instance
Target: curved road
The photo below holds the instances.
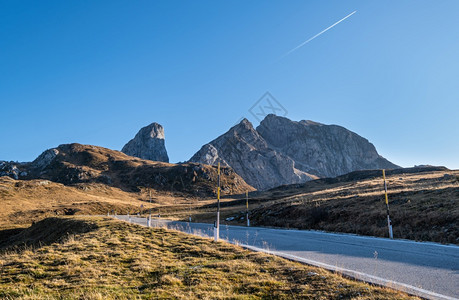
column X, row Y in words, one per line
column 428, row 270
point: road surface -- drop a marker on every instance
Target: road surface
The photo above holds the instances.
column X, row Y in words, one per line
column 428, row 270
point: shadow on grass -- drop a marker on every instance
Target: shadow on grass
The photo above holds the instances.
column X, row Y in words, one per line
column 45, row 232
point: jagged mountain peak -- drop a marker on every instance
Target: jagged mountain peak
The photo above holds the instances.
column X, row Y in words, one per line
column 155, row 130
column 148, row 143
column 244, row 149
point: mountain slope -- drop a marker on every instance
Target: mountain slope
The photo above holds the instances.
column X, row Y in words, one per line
column 75, row 163
column 243, row 149
column 322, row 150
column 83, row 179
column 280, row 151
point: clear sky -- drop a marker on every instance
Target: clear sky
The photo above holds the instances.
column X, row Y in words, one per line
column 95, row 72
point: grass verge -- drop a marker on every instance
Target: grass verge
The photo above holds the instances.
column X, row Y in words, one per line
column 109, row 259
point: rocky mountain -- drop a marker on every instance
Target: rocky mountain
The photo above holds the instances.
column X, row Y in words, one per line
column 322, row 150
column 280, row 151
column 75, row 163
column 148, row 143
column 244, row 149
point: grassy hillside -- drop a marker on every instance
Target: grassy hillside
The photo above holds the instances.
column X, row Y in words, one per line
column 25, row 201
column 424, row 205
column 100, row 258
column 85, row 179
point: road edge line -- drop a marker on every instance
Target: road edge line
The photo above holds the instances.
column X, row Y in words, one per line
column 356, row 274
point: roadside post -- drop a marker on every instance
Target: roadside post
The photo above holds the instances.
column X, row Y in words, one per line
column 247, row 207
column 389, row 224
column 151, row 220
column 189, row 218
column 217, row 223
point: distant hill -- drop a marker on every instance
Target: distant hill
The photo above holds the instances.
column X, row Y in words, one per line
column 280, row 151
column 75, row 163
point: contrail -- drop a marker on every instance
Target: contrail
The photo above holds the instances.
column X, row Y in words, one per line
column 307, row 41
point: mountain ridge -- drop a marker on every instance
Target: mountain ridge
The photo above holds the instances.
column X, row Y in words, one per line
column 280, row 151
column 71, row 164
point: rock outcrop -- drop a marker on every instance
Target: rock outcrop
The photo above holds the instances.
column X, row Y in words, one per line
column 44, row 159
column 281, row 151
column 9, row 169
column 148, row 143
column 17, row 170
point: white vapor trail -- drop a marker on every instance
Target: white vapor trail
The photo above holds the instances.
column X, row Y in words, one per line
column 328, row 28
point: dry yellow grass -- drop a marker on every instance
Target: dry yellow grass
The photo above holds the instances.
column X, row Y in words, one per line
column 24, row 202
column 85, row 179
column 115, row 260
column 424, row 206
column 27, row 201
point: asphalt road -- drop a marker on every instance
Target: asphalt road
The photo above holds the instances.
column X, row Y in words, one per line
column 428, row 270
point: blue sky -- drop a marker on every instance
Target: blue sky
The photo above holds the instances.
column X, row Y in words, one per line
column 95, row 72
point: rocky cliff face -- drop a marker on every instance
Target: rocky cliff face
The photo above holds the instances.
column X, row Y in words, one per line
column 322, row 150
column 281, row 151
column 148, row 143
column 243, row 149
column 44, row 159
